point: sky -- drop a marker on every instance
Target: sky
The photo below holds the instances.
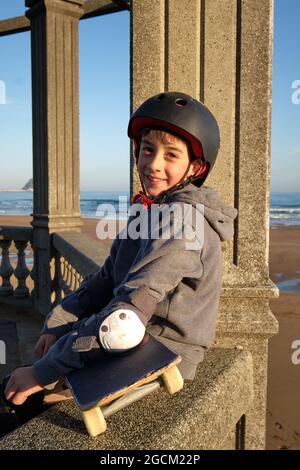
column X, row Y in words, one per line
column 104, row 101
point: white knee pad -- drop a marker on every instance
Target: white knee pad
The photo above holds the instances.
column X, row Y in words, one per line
column 121, row 330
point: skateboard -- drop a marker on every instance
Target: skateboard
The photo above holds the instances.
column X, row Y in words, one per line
column 120, row 379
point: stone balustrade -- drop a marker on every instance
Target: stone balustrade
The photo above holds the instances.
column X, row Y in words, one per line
column 75, row 256
column 16, row 264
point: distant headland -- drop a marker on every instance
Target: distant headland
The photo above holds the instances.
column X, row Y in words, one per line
column 27, row 187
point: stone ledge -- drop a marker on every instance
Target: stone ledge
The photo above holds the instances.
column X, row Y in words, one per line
column 84, row 253
column 199, row 417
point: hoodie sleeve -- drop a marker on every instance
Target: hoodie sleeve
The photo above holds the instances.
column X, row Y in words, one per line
column 95, row 292
column 59, row 360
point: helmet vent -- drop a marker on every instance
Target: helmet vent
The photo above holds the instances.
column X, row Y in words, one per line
column 160, row 97
column 180, row 102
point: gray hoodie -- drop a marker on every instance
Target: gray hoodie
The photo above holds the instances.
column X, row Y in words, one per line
column 172, row 283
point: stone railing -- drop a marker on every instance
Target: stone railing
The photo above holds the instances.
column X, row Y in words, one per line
column 16, row 265
column 75, row 256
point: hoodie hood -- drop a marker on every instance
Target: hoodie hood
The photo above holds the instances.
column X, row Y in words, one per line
column 218, row 213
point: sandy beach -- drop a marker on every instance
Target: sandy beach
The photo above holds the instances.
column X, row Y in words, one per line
column 283, row 376
column 283, row 418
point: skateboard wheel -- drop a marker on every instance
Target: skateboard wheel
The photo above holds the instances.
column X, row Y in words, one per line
column 94, row 421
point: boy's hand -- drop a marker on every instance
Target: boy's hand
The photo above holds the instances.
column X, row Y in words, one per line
column 21, row 384
column 44, row 343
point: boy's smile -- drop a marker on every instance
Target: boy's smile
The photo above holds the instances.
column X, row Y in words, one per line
column 163, row 162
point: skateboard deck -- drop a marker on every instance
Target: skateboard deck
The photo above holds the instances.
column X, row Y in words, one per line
column 114, row 375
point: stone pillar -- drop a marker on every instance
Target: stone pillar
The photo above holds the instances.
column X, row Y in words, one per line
column 55, row 117
column 147, row 35
column 221, row 52
column 245, row 316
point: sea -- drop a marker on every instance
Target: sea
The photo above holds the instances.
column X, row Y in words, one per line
column 92, row 204
column 284, row 207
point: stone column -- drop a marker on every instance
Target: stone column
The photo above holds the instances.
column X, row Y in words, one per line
column 147, row 33
column 55, row 117
column 245, row 316
column 221, row 52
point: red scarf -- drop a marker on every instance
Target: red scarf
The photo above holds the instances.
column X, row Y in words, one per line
column 141, row 197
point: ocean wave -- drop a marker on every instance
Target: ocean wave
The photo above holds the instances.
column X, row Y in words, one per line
column 283, row 210
column 95, row 202
column 282, row 216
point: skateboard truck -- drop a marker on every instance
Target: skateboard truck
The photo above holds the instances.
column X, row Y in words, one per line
column 117, row 380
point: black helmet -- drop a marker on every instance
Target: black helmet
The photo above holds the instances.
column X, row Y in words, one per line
column 182, row 115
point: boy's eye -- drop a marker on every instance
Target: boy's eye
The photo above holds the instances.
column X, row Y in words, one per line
column 147, row 149
column 172, row 155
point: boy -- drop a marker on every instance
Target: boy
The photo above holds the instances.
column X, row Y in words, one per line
column 154, row 284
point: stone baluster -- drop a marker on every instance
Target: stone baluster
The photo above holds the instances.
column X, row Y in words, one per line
column 31, row 274
column 69, row 278
column 65, row 276
column 63, row 268
column 21, row 272
column 57, row 281
column 68, row 274
column 53, row 280
column 79, row 280
column 6, row 269
column 73, row 279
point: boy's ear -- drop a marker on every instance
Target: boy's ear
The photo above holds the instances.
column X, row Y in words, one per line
column 198, row 166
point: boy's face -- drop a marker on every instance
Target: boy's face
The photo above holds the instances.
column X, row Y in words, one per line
column 163, row 162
